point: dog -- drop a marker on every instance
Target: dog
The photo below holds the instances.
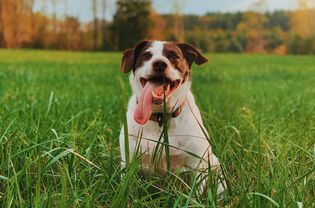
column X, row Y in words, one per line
column 160, row 78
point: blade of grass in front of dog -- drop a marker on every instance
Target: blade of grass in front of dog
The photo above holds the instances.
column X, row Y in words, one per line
column 124, row 188
column 193, row 186
column 159, row 142
column 126, row 140
column 157, row 148
column 137, row 149
column 205, row 134
column 165, row 126
column 199, row 122
column 212, row 186
column 125, row 123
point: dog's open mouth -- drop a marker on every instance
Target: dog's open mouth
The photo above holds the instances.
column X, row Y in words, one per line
column 159, row 88
column 154, row 89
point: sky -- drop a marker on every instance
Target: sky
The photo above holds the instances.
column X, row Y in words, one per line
column 82, row 8
column 204, row 6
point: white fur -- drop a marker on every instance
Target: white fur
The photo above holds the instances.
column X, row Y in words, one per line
column 185, row 134
column 146, row 69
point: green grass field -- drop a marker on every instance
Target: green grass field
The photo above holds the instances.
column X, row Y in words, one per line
column 61, row 113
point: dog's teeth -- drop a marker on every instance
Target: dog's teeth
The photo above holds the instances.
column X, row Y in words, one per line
column 167, row 88
column 154, row 94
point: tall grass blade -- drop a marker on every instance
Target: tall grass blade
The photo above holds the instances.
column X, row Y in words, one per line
column 165, row 131
column 6, row 131
column 266, row 197
column 50, row 102
column 125, row 122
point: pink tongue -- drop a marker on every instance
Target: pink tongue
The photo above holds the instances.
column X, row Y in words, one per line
column 144, row 107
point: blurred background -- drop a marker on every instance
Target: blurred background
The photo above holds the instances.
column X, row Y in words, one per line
column 245, row 26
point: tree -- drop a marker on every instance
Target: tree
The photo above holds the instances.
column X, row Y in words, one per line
column 178, row 23
column 303, row 19
column 73, row 31
column 260, row 6
column 157, row 31
column 40, row 25
column 2, row 40
column 54, row 17
column 15, row 20
column 303, row 28
column 131, row 22
column 95, row 32
column 104, row 25
column 250, row 32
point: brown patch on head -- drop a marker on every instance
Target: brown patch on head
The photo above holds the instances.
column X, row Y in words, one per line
column 191, row 54
column 143, row 55
column 182, row 56
column 177, row 59
column 134, row 57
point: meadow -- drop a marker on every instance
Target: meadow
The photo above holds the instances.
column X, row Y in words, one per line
column 61, row 113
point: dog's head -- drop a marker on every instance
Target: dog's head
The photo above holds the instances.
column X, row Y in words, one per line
column 153, row 63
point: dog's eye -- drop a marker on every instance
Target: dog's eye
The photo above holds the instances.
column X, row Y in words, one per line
column 174, row 57
column 146, row 56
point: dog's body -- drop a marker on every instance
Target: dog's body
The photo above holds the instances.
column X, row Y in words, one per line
column 150, row 61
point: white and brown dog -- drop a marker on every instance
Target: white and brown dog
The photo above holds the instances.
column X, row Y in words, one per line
column 153, row 63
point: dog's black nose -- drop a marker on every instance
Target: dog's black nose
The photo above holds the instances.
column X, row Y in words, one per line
column 159, row 66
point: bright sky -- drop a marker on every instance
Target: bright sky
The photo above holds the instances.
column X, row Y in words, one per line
column 82, row 8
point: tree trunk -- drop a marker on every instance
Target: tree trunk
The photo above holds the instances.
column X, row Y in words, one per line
column 54, row 15
column 2, row 38
column 178, row 23
column 94, row 8
column 31, row 22
column 104, row 5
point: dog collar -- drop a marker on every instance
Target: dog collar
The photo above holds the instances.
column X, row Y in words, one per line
column 159, row 117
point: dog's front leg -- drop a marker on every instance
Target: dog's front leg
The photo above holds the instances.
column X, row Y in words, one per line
column 209, row 173
column 122, row 150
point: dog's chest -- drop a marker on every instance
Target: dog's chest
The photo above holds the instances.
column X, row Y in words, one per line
column 154, row 152
column 184, row 135
column 152, row 137
column 152, row 147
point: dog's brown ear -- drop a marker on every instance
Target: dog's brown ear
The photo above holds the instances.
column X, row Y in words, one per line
column 130, row 57
column 127, row 60
column 192, row 54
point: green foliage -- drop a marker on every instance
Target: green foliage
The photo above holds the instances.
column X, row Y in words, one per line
column 278, row 32
column 131, row 22
column 60, row 121
column 279, row 19
column 228, row 32
column 234, row 32
column 298, row 45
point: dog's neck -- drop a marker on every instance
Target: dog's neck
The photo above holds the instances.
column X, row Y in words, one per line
column 160, row 118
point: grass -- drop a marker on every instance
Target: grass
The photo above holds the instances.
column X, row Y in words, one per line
column 60, row 117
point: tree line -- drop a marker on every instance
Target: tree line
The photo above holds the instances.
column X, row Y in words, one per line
column 279, row 32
